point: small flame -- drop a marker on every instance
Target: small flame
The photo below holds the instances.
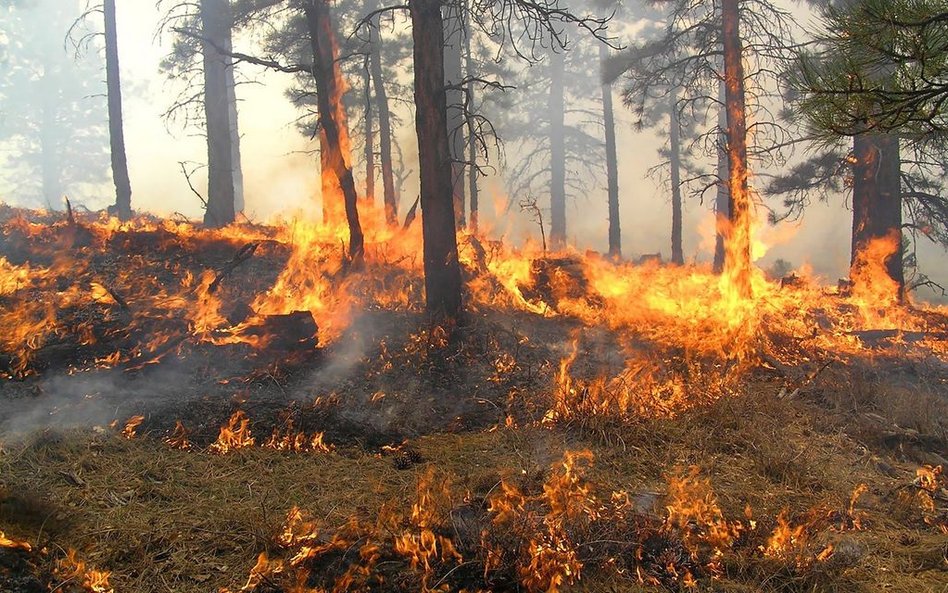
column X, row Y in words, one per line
column 178, row 439
column 131, row 426
column 233, row 435
column 286, row 439
column 6, row 542
column 72, row 568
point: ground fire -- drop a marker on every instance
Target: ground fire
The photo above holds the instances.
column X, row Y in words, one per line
column 408, row 392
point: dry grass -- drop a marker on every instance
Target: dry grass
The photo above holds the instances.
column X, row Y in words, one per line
column 168, row 520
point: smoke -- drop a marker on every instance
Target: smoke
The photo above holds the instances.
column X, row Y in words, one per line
column 83, row 400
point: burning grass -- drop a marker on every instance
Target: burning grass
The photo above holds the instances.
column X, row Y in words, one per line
column 591, row 425
column 771, row 501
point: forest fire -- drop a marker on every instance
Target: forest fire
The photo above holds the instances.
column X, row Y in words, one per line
column 684, row 342
column 654, row 310
column 321, row 387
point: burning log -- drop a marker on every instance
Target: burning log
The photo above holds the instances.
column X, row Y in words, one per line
column 554, row 279
column 792, row 281
column 650, row 258
column 291, row 332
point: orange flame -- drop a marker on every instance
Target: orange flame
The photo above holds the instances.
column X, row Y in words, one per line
column 233, row 435
column 6, row 542
column 178, row 439
column 131, row 426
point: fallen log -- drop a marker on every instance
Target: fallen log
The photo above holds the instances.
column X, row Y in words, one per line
column 290, row 332
column 874, row 337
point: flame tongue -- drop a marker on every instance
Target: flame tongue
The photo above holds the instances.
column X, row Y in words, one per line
column 6, row 542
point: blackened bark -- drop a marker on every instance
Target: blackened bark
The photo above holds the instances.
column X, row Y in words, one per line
column 453, row 75
column 612, row 160
column 385, row 127
column 674, row 119
column 239, row 200
column 738, row 260
column 877, row 199
column 369, row 134
column 722, row 200
column 557, row 110
column 472, row 172
column 123, row 185
column 332, row 118
column 216, row 24
column 442, row 271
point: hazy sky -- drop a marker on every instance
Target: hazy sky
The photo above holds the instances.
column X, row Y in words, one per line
column 279, row 180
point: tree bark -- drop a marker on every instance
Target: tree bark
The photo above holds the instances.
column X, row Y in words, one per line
column 336, row 156
column 385, row 127
column 442, row 271
column 612, row 160
column 369, row 134
column 678, row 254
column 738, row 238
column 472, row 172
column 239, row 199
column 877, row 200
column 123, row 185
column 453, row 75
column 216, row 23
column 722, row 199
column 557, row 110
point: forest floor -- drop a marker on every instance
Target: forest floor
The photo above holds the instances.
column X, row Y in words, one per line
column 439, row 466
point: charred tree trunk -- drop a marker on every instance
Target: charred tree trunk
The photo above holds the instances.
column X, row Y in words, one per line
column 612, row 160
column 877, row 201
column 239, row 200
column 123, row 185
column 738, row 240
column 216, row 24
column 385, row 127
column 722, row 208
column 369, row 137
column 453, row 76
column 674, row 118
column 557, row 113
column 336, row 156
column 442, row 271
column 473, row 172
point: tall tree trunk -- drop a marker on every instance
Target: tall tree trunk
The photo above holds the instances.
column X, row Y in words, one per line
column 332, row 117
column 877, row 200
column 369, row 137
column 738, row 260
column 674, row 119
column 385, row 126
column 722, row 200
column 557, row 114
column 442, row 271
column 612, row 160
column 216, row 23
column 239, row 200
column 473, row 173
column 453, row 76
column 123, row 186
